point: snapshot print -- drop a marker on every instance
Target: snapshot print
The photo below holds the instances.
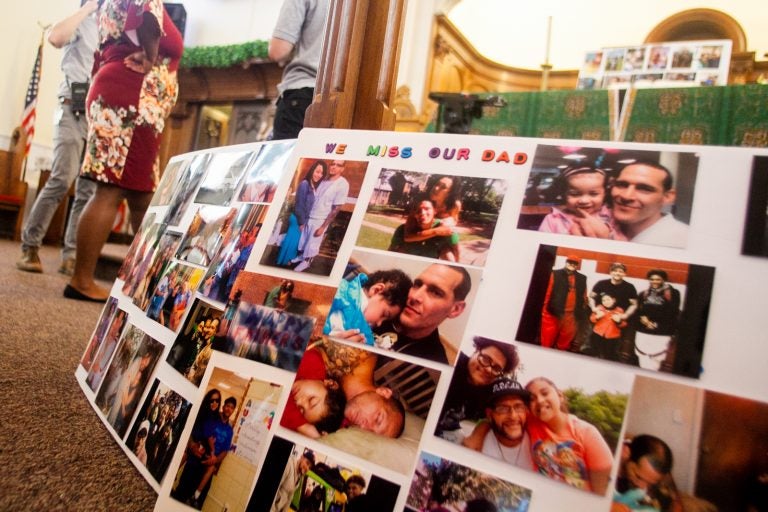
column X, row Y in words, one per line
column 537, row 411
column 188, row 182
column 209, row 228
column 227, row 440
column 264, row 174
column 641, row 312
column 157, row 429
column 106, row 348
column 441, row 485
column 312, row 480
column 154, row 255
column 433, row 215
column 687, row 448
column 168, row 182
column 270, row 320
column 225, row 170
column 403, row 304
column 314, row 219
column 193, row 347
column 127, row 376
column 148, row 233
column 235, row 250
column 616, row 194
column 755, row 242
column 107, row 314
column 173, row 294
column 360, row 402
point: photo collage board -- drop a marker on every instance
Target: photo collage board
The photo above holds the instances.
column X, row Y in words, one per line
column 671, row 64
column 386, row 321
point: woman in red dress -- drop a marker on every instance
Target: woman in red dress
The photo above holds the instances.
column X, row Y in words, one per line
column 133, row 91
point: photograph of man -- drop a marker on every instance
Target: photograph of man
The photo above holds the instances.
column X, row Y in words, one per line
column 633, row 195
column 323, row 202
column 660, row 328
column 507, row 412
column 644, row 481
column 690, row 448
column 432, row 321
column 385, row 402
column 565, row 305
column 435, row 216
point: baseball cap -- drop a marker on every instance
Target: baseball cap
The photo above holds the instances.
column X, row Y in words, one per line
column 505, row 386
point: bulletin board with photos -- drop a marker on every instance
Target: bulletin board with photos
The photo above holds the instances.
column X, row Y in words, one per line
column 374, row 320
column 671, row 64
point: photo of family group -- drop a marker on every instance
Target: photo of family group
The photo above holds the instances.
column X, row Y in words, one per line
column 157, row 429
column 315, row 215
column 433, row 215
column 361, row 402
column 440, row 485
column 314, row 481
column 680, row 451
column 153, row 255
column 636, row 311
column 615, row 194
column 755, row 242
column 127, row 376
column 265, row 172
column 403, row 304
column 193, row 347
column 228, row 436
column 271, row 320
column 537, row 411
column 235, row 249
column 225, row 171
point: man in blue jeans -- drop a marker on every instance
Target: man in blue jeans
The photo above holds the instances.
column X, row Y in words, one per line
column 297, row 43
column 78, row 36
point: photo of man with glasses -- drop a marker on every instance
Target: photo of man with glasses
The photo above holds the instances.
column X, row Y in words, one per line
column 472, row 383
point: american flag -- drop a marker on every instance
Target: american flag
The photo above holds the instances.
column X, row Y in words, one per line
column 30, row 103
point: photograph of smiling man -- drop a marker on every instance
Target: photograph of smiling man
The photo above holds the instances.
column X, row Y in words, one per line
column 617, row 194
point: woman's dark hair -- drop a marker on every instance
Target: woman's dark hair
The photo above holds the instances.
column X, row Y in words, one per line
column 656, row 452
column 311, row 171
column 454, row 194
column 509, row 351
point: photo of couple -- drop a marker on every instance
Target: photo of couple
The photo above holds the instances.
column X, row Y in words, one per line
column 433, row 215
column 628, row 195
column 361, row 402
column 403, row 305
column 502, row 403
column 315, row 215
column 636, row 311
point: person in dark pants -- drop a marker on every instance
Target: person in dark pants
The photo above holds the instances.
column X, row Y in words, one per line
column 297, row 43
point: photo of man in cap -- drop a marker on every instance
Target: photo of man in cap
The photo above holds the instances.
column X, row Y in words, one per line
column 565, row 305
column 507, row 412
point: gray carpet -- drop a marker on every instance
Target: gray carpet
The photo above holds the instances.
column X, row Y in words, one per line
column 55, row 454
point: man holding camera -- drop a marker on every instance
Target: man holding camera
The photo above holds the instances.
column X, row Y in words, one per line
column 78, row 36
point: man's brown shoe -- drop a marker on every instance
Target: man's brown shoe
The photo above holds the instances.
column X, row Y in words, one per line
column 30, row 261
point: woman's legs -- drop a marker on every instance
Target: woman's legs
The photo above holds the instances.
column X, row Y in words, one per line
column 94, row 227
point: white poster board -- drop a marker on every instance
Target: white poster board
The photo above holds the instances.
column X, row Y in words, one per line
column 510, row 185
